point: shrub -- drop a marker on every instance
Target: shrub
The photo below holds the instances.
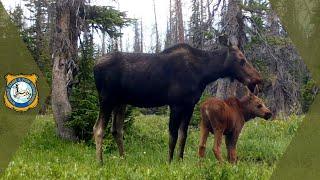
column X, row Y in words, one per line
column 163, row 110
column 85, row 110
column 308, row 93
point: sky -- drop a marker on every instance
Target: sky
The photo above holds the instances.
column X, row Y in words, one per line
column 139, row 9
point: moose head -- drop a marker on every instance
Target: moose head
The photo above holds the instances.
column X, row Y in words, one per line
column 237, row 65
column 254, row 106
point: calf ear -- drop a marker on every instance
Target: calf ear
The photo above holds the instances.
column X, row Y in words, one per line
column 256, row 90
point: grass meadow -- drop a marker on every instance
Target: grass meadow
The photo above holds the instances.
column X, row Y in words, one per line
column 43, row 155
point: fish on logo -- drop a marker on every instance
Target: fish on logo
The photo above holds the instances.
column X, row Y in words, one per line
column 21, row 92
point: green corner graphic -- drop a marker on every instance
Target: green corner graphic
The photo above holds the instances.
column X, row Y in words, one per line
column 15, row 59
column 301, row 19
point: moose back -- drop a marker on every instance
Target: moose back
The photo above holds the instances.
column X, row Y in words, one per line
column 175, row 77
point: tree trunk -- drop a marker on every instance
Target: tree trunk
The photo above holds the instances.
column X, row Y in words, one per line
column 120, row 42
column 61, row 106
column 39, row 34
column 179, row 23
column 103, row 42
column 137, row 41
column 141, row 36
column 202, row 29
column 168, row 40
column 51, row 25
column 156, row 28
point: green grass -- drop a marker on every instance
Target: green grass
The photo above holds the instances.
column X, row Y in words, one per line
column 44, row 156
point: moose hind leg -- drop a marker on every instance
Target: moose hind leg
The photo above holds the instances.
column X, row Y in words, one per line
column 204, row 132
column 117, row 127
column 231, row 143
column 217, row 144
column 98, row 132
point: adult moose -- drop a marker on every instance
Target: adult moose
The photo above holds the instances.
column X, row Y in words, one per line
column 175, row 77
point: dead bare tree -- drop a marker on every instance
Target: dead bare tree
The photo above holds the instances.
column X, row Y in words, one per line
column 103, row 48
column 141, row 36
column 158, row 46
column 137, row 44
column 171, row 35
column 179, row 21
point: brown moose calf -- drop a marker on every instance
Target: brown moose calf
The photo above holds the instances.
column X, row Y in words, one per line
column 227, row 117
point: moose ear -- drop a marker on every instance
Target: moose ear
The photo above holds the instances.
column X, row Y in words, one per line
column 224, row 40
column 247, row 91
column 256, row 90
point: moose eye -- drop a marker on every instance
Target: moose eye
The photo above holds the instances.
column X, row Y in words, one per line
column 259, row 106
column 242, row 62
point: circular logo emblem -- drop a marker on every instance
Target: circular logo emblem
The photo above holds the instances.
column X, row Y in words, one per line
column 21, row 92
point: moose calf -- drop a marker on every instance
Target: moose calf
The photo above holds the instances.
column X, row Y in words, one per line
column 227, row 117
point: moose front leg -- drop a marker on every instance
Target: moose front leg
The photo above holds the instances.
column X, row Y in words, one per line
column 231, row 143
column 174, row 122
column 183, row 129
column 117, row 127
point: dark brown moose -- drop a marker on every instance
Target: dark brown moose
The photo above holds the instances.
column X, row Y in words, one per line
column 227, row 117
column 175, row 77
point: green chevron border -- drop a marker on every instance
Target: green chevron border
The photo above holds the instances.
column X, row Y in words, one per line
column 301, row 19
column 15, row 59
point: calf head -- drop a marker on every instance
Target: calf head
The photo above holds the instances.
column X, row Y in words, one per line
column 238, row 67
column 254, row 106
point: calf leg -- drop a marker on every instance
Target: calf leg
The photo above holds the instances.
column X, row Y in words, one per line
column 98, row 131
column 204, row 132
column 183, row 129
column 231, row 142
column 217, row 144
column 117, row 127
